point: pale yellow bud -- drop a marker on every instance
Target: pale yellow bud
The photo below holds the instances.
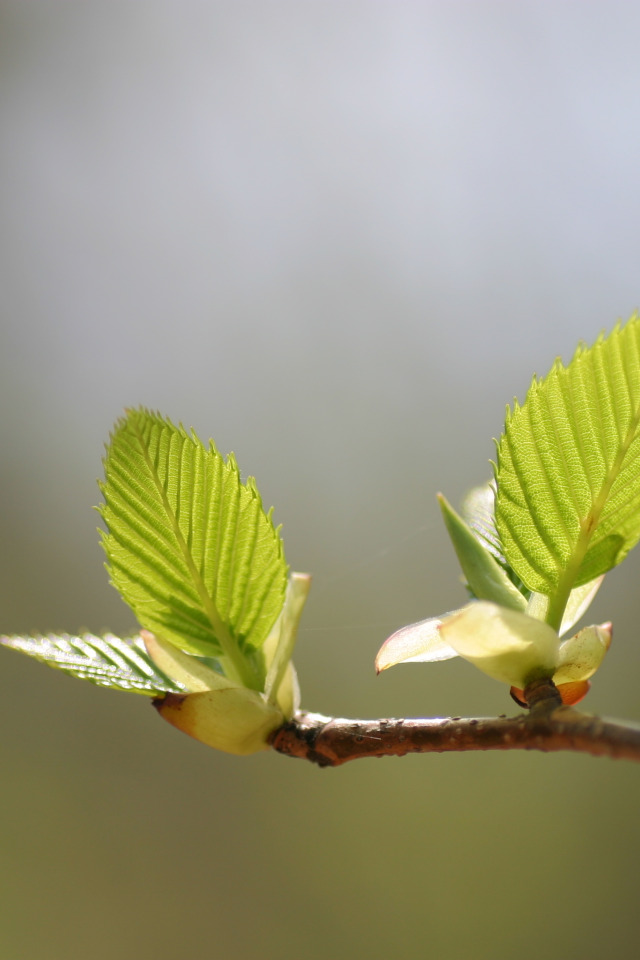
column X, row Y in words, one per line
column 230, row 718
column 215, row 710
column 505, row 644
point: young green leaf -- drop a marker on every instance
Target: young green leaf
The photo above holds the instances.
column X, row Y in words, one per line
column 106, row 661
column 189, row 546
column 568, row 470
column 485, row 577
column 479, row 512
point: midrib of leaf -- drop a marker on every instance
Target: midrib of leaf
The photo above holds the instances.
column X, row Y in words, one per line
column 588, row 526
column 238, row 664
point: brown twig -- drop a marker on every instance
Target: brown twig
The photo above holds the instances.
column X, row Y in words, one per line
column 330, row 742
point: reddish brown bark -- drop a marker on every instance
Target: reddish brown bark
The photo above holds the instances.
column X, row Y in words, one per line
column 330, row 742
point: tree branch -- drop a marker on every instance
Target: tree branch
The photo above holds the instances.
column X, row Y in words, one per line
column 330, row 742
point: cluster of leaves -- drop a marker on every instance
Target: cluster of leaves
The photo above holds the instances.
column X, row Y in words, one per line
column 568, row 500
column 563, row 509
column 566, row 481
column 193, row 552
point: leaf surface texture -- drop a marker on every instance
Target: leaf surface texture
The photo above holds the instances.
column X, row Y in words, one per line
column 568, row 467
column 189, row 546
column 106, row 661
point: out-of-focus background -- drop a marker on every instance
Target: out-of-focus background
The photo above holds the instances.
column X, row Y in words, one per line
column 337, row 237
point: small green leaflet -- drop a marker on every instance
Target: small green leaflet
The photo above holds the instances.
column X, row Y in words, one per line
column 189, row 546
column 478, row 509
column 568, row 469
column 479, row 512
column 106, row 661
column 486, row 578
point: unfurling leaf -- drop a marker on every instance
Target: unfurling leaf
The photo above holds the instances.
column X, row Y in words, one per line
column 281, row 683
column 485, row 577
column 478, row 510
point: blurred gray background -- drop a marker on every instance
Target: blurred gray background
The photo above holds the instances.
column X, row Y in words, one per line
column 337, row 237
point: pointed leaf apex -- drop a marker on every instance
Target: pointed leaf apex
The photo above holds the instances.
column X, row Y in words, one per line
column 606, row 633
column 419, row 642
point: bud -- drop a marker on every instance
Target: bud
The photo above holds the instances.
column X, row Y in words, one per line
column 230, row 718
column 215, row 710
column 513, row 647
column 505, row 644
column 221, row 712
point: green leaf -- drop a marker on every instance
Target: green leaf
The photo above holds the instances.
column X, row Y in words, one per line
column 478, row 509
column 479, row 512
column 106, row 661
column 486, row 579
column 568, row 469
column 189, row 546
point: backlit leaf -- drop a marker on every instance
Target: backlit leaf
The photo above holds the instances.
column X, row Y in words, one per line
column 189, row 546
column 106, row 661
column 486, row 577
column 568, row 470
